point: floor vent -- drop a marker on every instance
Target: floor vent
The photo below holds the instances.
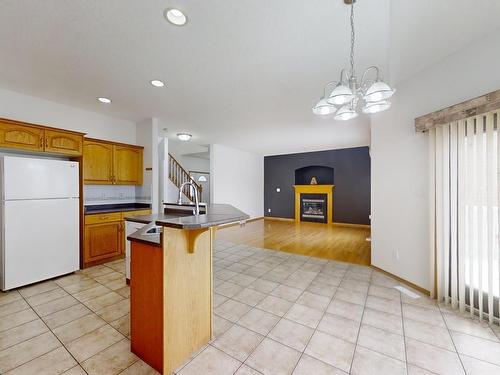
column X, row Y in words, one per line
column 406, row 291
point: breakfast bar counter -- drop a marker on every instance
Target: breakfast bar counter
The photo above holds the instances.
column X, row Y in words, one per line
column 171, row 284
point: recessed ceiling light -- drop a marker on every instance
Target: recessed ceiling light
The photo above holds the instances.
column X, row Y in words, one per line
column 157, row 83
column 184, row 136
column 104, row 100
column 175, row 16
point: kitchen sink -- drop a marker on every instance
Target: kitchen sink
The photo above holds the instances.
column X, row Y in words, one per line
column 185, row 209
column 154, row 230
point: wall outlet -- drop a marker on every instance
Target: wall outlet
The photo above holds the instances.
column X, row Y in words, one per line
column 269, row 210
column 278, row 190
column 396, row 254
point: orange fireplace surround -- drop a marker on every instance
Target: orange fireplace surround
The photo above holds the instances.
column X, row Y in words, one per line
column 315, row 189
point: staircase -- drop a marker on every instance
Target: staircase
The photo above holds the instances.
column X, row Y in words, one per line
column 179, row 175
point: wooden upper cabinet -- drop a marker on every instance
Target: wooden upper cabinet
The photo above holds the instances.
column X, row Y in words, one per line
column 97, row 162
column 128, row 165
column 38, row 138
column 106, row 163
column 61, row 142
column 16, row 135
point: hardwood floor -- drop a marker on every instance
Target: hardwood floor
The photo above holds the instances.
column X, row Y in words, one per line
column 346, row 244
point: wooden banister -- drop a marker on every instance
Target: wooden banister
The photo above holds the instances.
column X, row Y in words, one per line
column 178, row 175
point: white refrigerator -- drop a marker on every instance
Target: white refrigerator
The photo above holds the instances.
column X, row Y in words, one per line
column 39, row 220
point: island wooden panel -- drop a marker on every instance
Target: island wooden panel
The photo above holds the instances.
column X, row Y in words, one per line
column 188, row 301
column 171, row 295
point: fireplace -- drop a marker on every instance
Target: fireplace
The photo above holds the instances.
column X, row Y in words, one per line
column 313, row 207
column 314, row 203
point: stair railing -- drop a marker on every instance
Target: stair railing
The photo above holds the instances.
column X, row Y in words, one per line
column 179, row 175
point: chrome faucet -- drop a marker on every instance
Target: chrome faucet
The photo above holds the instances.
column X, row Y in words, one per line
column 196, row 210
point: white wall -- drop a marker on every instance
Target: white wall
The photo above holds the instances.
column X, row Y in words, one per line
column 400, row 202
column 237, row 178
column 183, row 152
column 27, row 108
column 147, row 136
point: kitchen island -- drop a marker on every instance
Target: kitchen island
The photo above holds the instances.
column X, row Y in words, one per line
column 171, row 284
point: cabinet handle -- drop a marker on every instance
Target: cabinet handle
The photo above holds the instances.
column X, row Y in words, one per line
column 46, row 142
column 41, row 140
column 104, row 217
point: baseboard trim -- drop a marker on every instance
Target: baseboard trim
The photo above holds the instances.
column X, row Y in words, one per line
column 275, row 218
column 234, row 224
column 365, row 226
column 403, row 281
column 255, row 219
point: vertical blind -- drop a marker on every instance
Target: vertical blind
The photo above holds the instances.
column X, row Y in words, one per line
column 465, row 188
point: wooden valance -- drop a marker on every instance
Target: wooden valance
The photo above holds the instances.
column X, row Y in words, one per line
column 469, row 108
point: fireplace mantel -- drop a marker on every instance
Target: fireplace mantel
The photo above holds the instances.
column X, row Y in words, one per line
column 314, row 189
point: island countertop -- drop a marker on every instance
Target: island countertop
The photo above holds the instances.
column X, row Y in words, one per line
column 216, row 214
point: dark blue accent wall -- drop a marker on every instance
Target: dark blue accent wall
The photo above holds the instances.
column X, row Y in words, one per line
column 351, row 169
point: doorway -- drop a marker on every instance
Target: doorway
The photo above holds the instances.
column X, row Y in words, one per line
column 202, row 179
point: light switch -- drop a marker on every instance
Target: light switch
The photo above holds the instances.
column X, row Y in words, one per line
column 278, row 190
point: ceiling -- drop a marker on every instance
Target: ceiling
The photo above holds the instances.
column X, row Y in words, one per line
column 242, row 73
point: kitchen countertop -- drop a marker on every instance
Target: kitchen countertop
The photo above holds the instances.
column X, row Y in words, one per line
column 216, row 214
column 118, row 207
column 148, row 239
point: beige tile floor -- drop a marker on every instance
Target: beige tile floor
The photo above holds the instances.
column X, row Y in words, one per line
column 75, row 324
column 274, row 313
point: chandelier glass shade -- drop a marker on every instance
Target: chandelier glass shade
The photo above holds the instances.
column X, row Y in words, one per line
column 324, row 108
column 348, row 91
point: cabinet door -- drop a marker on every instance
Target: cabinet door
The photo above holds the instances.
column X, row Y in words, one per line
column 60, row 142
column 97, row 163
column 21, row 136
column 103, row 241
column 128, row 165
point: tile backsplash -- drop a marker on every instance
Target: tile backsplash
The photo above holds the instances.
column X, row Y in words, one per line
column 107, row 194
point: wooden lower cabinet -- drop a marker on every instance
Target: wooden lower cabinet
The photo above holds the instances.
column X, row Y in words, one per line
column 104, row 236
column 103, row 241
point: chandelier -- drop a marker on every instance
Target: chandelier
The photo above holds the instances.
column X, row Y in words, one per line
column 348, row 92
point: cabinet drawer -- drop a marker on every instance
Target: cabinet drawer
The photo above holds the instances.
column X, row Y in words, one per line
column 135, row 213
column 103, row 218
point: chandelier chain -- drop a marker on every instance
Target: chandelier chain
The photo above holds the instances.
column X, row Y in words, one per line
column 353, row 36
